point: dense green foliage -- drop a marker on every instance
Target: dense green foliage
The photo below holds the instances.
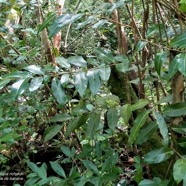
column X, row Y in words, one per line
column 69, row 123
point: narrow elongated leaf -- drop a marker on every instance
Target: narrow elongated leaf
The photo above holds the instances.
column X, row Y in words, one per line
column 104, row 72
column 147, row 182
column 139, row 104
column 58, row 92
column 89, row 20
column 61, row 21
column 163, row 127
column 35, row 83
column 182, row 63
column 173, row 67
column 60, row 117
column 153, row 30
column 57, row 168
column 42, row 171
column 112, row 118
column 17, row 74
column 146, row 132
column 80, row 81
column 126, row 113
column 90, row 166
column 35, row 69
column 105, row 55
column 140, row 45
column 77, row 61
column 159, row 155
column 33, row 166
column 3, row 83
column 67, row 151
column 138, row 123
column 19, row 87
column 160, row 58
column 100, row 23
column 77, row 123
column 175, row 110
column 64, row 63
column 94, row 81
column 179, row 41
column 93, row 124
column 52, row 131
column 179, row 170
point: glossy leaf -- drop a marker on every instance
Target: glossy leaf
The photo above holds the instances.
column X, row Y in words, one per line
column 67, row 151
column 52, row 131
column 77, row 61
column 58, row 91
column 75, row 124
column 112, row 118
column 140, row 45
column 3, row 83
column 35, row 69
column 19, row 87
column 173, row 67
column 60, row 117
column 105, row 55
column 139, row 104
column 146, row 132
column 179, row 170
column 94, row 81
column 181, row 129
column 35, row 83
column 89, row 20
column 93, row 124
column 163, row 127
column 80, row 81
column 104, row 72
column 160, row 58
column 147, row 182
column 138, row 123
column 125, row 113
column 179, row 41
column 124, row 65
column 90, row 166
column 61, row 21
column 175, row 110
column 57, row 168
column 64, row 63
column 182, row 63
column 100, row 23
column 153, row 30
column 17, row 74
column 65, row 79
column 158, row 156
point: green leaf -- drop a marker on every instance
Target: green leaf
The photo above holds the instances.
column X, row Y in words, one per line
column 124, row 65
column 105, row 55
column 77, row 61
column 158, row 155
column 146, row 132
column 33, row 167
column 46, row 22
column 90, row 166
column 181, row 129
column 67, row 151
column 35, row 69
column 65, row 79
column 173, row 67
column 112, row 118
column 160, row 58
column 51, row 132
column 126, row 113
column 139, row 104
column 153, row 30
column 81, row 120
column 35, row 83
column 138, row 123
column 104, row 72
column 61, row 21
column 19, row 87
column 17, row 74
column 80, row 81
column 57, row 168
column 64, row 63
column 100, row 23
column 60, row 117
column 58, row 91
column 93, row 124
column 3, row 83
column 140, row 45
column 179, row 170
column 175, row 110
column 147, row 182
column 94, row 81
column 182, row 63
column 179, row 41
column 42, row 171
column 89, row 20
column 163, row 127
